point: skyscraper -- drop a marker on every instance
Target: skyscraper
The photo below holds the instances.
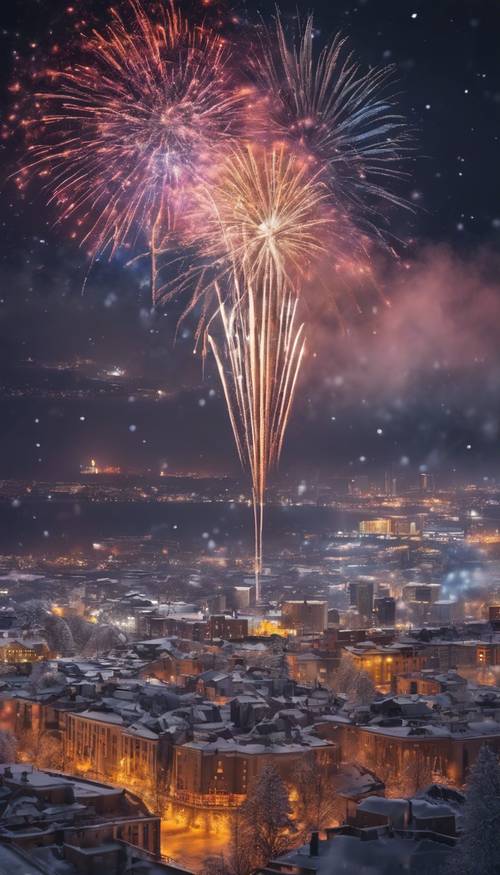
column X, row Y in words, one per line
column 385, row 610
column 361, row 596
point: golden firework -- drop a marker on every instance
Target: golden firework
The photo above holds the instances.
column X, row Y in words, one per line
column 268, row 215
column 259, row 362
column 267, row 225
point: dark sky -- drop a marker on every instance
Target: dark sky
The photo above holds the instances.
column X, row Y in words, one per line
column 414, row 384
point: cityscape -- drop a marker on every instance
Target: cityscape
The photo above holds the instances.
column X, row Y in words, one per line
column 369, row 670
column 249, row 441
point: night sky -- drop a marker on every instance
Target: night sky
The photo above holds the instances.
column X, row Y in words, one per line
column 413, row 384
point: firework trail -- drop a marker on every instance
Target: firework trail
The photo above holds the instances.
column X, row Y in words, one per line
column 118, row 136
column 258, row 366
column 278, row 214
column 266, row 227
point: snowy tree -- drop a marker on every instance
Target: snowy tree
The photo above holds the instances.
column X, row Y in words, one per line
column 43, row 677
column 315, row 795
column 59, row 637
column 32, row 612
column 81, row 630
column 346, row 676
column 35, row 614
column 104, row 638
column 478, row 849
column 266, row 817
column 364, row 691
column 356, row 685
column 8, row 746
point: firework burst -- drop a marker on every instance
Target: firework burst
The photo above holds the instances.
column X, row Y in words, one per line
column 268, row 219
column 266, row 226
column 265, row 219
column 280, row 212
column 130, row 137
column 119, row 135
column 344, row 121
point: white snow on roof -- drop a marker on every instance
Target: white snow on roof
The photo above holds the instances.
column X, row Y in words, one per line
column 393, row 809
column 101, row 716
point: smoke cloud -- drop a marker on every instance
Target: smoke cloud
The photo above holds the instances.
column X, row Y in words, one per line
column 442, row 319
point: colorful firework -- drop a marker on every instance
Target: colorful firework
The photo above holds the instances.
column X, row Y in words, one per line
column 278, row 213
column 267, row 229
column 344, row 121
column 117, row 136
column 131, row 135
column 265, row 217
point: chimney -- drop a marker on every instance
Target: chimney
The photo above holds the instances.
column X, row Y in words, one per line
column 314, row 845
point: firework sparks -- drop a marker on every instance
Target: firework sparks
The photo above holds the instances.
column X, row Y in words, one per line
column 341, row 119
column 130, row 137
column 267, row 229
column 280, row 213
column 118, row 136
column 265, row 219
column 258, row 365
column 268, row 215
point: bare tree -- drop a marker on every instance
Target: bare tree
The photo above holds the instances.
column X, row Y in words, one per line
column 417, row 773
column 240, row 858
column 50, row 753
column 355, row 684
column 45, row 751
column 8, row 746
column 215, row 865
column 266, row 817
column 241, row 849
column 315, row 795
